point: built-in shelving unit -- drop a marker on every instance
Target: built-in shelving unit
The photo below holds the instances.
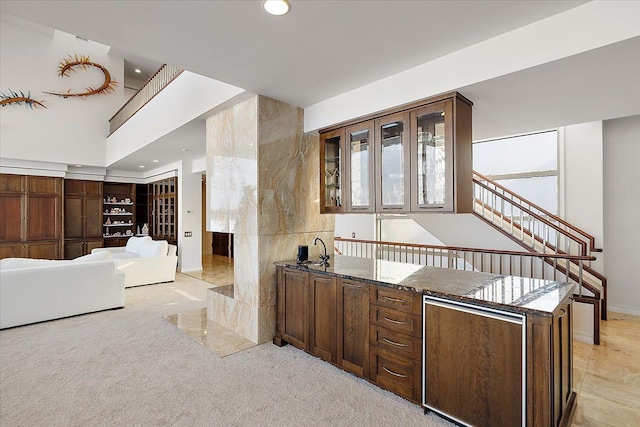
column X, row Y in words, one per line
column 118, row 217
column 163, row 196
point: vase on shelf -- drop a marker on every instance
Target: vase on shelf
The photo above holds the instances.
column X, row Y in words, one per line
column 145, row 229
column 138, row 230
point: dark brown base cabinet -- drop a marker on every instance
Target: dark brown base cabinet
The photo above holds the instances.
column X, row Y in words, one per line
column 331, row 318
column 476, row 365
column 74, row 248
column 486, row 367
column 31, row 219
column 44, row 250
column 293, row 308
column 82, row 217
column 396, row 341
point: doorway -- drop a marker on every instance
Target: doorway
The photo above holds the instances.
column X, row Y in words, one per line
column 222, row 244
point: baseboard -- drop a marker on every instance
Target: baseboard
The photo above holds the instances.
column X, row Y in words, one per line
column 624, row 309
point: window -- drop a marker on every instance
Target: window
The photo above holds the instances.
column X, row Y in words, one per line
column 525, row 164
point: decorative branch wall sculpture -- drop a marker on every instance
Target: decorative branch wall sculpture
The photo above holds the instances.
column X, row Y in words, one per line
column 83, row 62
column 18, row 99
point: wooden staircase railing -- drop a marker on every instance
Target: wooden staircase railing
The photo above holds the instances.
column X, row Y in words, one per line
column 540, row 231
column 512, row 263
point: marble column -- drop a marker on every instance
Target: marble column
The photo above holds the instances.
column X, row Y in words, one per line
column 263, row 184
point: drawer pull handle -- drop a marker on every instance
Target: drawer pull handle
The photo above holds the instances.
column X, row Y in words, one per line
column 397, row 344
column 394, row 373
column 394, row 321
column 394, row 299
column 351, row 285
column 564, row 312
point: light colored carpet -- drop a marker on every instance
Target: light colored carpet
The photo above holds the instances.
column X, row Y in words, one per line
column 131, row 367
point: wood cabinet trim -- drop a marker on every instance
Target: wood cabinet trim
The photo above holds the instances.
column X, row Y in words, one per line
column 398, row 109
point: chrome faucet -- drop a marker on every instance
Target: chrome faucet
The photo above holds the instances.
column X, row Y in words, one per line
column 324, row 258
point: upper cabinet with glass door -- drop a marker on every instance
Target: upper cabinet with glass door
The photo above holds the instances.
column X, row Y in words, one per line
column 432, row 157
column 416, row 158
column 441, row 166
column 392, row 163
column 360, row 173
column 331, row 179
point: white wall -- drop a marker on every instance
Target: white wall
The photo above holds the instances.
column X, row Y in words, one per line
column 68, row 131
column 363, row 225
column 405, row 230
column 621, row 213
column 526, row 47
column 190, row 211
column 190, row 204
column 464, row 230
column 186, row 98
column 580, row 183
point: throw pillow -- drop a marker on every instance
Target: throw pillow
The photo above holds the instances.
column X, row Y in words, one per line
column 154, row 248
column 136, row 244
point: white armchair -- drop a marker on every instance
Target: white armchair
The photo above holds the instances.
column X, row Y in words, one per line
column 145, row 261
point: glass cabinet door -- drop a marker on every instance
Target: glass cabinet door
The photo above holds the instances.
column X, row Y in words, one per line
column 432, row 157
column 331, row 188
column 360, row 167
column 392, row 157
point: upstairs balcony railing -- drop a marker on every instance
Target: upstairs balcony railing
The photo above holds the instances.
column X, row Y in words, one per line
column 165, row 75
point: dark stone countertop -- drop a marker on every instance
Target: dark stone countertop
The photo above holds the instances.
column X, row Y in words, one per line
column 509, row 293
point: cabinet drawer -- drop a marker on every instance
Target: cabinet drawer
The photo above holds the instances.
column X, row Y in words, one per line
column 406, row 323
column 405, row 301
column 396, row 342
column 398, row 374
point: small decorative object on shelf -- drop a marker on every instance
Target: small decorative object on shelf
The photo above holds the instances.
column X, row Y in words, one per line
column 145, row 229
column 119, row 213
column 138, row 230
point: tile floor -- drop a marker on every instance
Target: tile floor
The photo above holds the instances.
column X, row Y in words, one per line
column 218, row 272
column 606, row 377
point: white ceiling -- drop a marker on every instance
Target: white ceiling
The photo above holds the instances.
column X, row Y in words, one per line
column 322, row 49
column 318, row 50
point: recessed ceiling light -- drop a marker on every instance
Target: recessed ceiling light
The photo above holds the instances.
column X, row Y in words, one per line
column 276, row 7
column 156, row 161
column 138, row 70
column 141, row 166
column 185, row 149
column 78, row 166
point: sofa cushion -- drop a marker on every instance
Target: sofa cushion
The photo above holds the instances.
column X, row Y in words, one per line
column 93, row 257
column 16, row 263
column 154, row 248
column 135, row 244
column 124, row 255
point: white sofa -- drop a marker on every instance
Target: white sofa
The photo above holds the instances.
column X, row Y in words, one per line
column 144, row 261
column 35, row 290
